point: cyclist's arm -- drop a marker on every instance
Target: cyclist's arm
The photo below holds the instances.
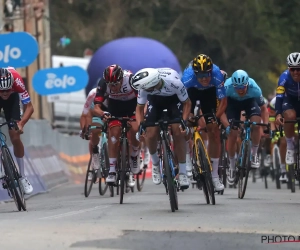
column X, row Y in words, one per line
column 99, row 99
column 221, row 95
column 222, row 107
column 139, row 113
column 140, row 107
column 224, row 120
column 280, row 91
column 28, row 111
column 264, row 113
column 186, row 109
column 183, row 97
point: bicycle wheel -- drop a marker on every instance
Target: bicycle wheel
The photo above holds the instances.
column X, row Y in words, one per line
column 276, row 165
column 208, row 188
column 172, row 191
column 123, row 170
column 104, row 167
column 292, row 180
column 12, row 179
column 245, row 169
column 89, row 183
column 140, row 178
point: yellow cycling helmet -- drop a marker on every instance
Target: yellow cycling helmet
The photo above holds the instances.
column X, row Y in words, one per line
column 202, row 64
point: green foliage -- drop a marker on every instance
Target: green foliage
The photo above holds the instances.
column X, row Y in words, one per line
column 253, row 35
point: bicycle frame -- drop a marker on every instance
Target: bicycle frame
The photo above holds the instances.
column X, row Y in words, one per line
column 247, row 135
column 197, row 136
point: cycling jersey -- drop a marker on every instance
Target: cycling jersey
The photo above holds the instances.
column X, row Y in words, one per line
column 172, row 85
column 89, row 103
column 253, row 90
column 19, row 86
column 287, row 87
column 126, row 92
column 189, row 80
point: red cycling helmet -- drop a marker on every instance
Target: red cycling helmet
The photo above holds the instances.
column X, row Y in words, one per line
column 113, row 74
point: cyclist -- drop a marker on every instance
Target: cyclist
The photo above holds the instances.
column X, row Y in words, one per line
column 281, row 141
column 205, row 82
column 164, row 90
column 12, row 90
column 244, row 94
column 288, row 102
column 121, row 103
column 87, row 119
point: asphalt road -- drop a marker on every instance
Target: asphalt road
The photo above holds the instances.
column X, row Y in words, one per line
column 65, row 219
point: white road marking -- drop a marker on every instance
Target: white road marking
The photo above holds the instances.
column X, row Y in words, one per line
column 73, row 213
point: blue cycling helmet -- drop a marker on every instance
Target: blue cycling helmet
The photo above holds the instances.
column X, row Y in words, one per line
column 240, row 78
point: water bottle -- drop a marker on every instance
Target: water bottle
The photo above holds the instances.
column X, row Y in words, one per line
column 196, row 109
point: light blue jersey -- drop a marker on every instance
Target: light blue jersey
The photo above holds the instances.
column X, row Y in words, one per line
column 253, row 90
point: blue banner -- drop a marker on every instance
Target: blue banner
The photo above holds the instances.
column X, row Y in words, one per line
column 59, row 80
column 18, row 49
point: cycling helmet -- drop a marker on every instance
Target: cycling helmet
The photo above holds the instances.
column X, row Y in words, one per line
column 272, row 103
column 6, row 79
column 240, row 78
column 145, row 79
column 202, row 64
column 113, row 74
column 293, row 59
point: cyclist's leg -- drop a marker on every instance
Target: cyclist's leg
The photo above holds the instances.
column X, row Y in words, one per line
column 174, row 111
column 153, row 114
column 232, row 112
column 282, row 152
column 253, row 112
column 94, row 141
column 11, row 108
column 192, row 92
column 134, row 143
column 289, row 113
column 118, row 109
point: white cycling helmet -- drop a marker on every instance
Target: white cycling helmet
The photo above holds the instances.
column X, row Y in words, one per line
column 145, row 79
column 293, row 59
column 272, row 103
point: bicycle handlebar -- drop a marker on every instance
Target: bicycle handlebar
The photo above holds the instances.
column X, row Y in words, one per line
column 291, row 121
column 198, row 117
column 144, row 125
column 11, row 123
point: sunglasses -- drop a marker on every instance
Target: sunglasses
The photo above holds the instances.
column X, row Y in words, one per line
column 239, row 87
column 203, row 75
column 5, row 91
column 112, row 84
column 294, row 69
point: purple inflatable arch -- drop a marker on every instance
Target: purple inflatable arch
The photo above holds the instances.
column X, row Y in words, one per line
column 132, row 53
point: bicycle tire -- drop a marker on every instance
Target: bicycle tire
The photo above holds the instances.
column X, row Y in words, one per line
column 244, row 171
column 13, row 177
column 140, row 179
column 170, row 181
column 87, row 186
column 208, row 187
column 123, row 170
column 276, row 164
column 292, row 180
column 266, row 182
column 104, row 161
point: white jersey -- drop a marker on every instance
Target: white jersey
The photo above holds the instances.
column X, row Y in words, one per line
column 172, row 85
column 89, row 103
column 126, row 92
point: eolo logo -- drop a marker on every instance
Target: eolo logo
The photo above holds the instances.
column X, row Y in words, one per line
column 17, row 49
